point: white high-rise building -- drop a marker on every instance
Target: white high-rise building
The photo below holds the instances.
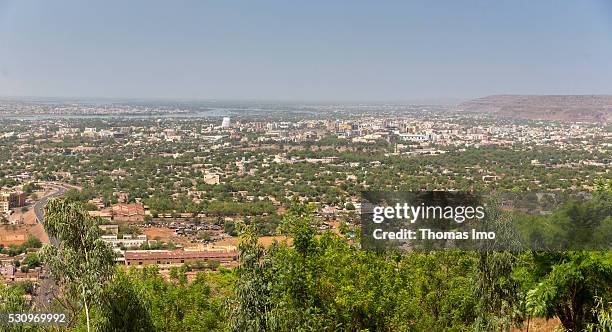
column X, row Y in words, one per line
column 226, row 123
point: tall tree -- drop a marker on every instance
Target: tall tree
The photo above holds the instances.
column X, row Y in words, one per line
column 251, row 302
column 81, row 262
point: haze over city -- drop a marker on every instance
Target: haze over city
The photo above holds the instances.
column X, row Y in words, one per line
column 309, row 51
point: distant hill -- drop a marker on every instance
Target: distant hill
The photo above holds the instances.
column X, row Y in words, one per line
column 574, row 108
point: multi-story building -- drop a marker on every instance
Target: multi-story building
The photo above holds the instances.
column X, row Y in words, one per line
column 226, row 123
column 178, row 257
column 9, row 200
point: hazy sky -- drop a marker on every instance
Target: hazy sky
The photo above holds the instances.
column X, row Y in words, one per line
column 304, row 50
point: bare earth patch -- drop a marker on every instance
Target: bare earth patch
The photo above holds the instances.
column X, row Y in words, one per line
column 164, row 234
column 27, row 218
column 10, row 234
column 38, row 231
column 540, row 325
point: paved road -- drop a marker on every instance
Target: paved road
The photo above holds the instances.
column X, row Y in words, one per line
column 45, row 290
column 40, row 205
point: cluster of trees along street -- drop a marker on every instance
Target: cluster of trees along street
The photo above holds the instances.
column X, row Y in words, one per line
column 324, row 282
column 155, row 179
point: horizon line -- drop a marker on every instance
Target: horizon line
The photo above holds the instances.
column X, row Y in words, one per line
column 424, row 100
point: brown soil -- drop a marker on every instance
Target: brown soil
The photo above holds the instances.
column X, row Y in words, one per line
column 164, row 235
column 10, row 235
column 28, row 218
column 540, row 325
column 18, row 234
column 38, row 231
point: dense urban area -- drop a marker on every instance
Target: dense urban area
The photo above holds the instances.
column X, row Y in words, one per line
column 245, row 216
